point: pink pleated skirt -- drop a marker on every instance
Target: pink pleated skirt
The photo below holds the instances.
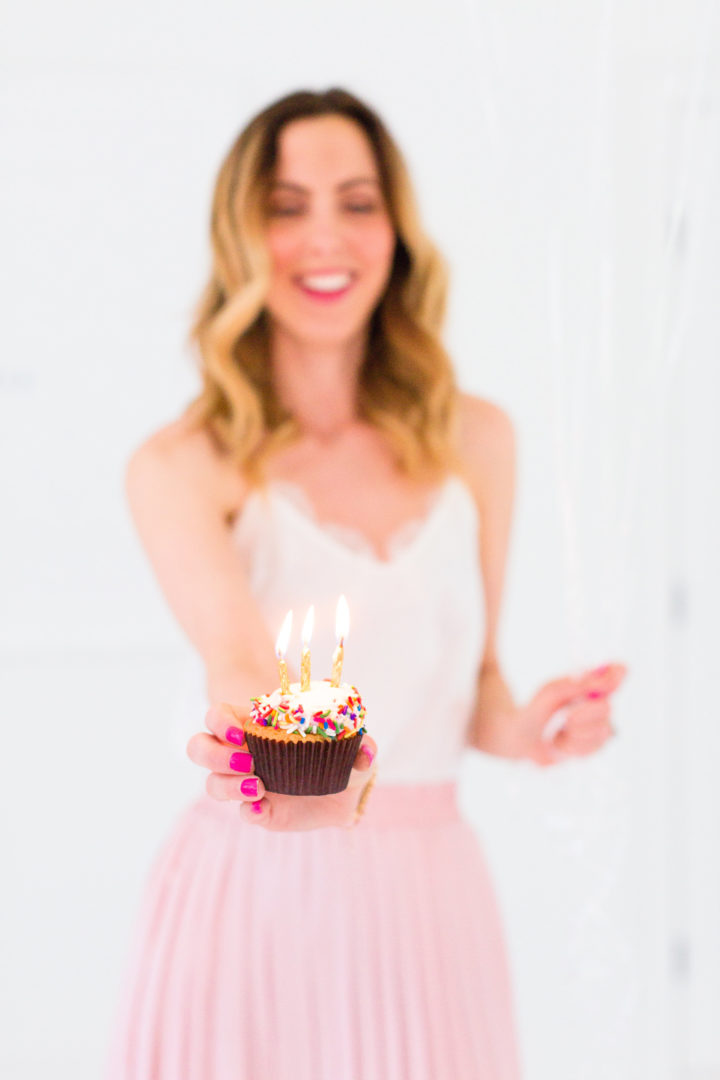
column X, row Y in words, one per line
column 372, row 953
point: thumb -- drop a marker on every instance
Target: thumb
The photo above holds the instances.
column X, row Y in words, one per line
column 545, row 754
column 366, row 754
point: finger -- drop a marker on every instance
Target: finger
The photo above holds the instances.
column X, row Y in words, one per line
column 606, row 678
column 583, row 749
column 227, row 721
column 584, row 742
column 546, row 754
column 592, row 731
column 366, row 754
column 210, row 753
column 241, row 788
column 258, row 812
column 582, row 712
column 557, row 693
column 587, row 710
column 578, row 738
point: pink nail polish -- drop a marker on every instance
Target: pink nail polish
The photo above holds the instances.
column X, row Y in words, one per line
column 234, row 734
column 368, row 754
column 241, row 762
column 249, row 786
column 592, row 694
column 257, row 807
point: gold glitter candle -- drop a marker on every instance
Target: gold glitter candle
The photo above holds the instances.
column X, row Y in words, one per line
column 281, row 650
column 337, row 667
column 305, row 661
column 342, row 625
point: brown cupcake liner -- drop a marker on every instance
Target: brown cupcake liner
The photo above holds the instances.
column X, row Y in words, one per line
column 317, row 767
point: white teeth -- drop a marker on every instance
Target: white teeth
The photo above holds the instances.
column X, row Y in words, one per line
column 326, row 282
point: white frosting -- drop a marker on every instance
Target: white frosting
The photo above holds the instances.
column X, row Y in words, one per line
column 321, row 696
column 323, row 709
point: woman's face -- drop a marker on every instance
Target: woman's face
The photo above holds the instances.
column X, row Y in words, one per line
column 329, row 231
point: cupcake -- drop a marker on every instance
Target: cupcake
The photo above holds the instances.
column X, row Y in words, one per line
column 306, row 742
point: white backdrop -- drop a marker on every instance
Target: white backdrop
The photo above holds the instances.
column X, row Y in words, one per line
column 564, row 162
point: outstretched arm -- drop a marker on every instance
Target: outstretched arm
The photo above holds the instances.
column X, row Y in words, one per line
column 182, row 495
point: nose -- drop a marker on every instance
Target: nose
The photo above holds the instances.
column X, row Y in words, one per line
column 324, row 230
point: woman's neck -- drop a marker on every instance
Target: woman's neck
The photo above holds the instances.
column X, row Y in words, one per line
column 317, row 382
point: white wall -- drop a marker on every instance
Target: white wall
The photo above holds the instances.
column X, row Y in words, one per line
column 553, row 151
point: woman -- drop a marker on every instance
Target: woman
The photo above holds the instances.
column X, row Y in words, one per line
column 331, row 452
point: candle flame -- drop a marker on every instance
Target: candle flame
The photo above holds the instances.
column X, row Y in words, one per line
column 308, row 626
column 342, row 620
column 284, row 636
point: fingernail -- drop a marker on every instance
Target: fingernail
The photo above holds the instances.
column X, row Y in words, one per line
column 257, row 807
column 590, row 693
column 249, row 786
column 601, row 670
column 241, row 762
column 234, row 734
column 368, row 754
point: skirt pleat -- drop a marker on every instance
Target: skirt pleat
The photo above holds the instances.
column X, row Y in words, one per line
column 213, row 1019
column 372, row 953
column 424, row 987
column 136, row 1050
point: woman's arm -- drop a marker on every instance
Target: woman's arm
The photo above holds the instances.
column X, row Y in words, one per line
column 493, row 724
column 487, row 449
column 497, row 725
column 181, row 495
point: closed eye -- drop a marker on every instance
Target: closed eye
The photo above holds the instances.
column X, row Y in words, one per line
column 289, row 211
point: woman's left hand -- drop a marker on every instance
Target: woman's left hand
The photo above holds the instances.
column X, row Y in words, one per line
column 587, row 725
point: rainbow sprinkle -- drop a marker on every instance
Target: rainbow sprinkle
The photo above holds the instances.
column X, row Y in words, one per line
column 344, row 717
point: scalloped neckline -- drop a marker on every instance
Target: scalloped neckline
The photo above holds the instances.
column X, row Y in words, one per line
column 402, row 541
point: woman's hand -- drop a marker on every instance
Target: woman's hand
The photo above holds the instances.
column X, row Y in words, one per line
column 225, row 752
column 587, row 725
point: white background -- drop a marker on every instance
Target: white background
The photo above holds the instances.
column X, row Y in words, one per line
column 564, row 158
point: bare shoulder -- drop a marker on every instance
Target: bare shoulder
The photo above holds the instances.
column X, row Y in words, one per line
column 486, row 442
column 181, row 455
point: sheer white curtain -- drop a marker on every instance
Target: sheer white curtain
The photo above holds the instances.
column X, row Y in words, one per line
column 607, row 134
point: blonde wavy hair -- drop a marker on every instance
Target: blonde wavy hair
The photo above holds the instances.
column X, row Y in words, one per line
column 407, row 386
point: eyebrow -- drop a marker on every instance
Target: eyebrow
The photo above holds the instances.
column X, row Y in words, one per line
column 344, row 184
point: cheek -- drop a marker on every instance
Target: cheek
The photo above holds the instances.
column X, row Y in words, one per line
column 377, row 245
column 282, row 247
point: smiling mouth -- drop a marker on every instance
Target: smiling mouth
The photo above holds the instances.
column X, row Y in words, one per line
column 325, row 287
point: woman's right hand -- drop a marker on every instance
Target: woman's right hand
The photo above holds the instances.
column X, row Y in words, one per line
column 225, row 752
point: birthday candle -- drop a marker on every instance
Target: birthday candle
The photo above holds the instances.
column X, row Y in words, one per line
column 342, row 625
column 305, row 661
column 281, row 650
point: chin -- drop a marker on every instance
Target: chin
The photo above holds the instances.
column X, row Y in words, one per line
column 325, row 335
column 328, row 330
